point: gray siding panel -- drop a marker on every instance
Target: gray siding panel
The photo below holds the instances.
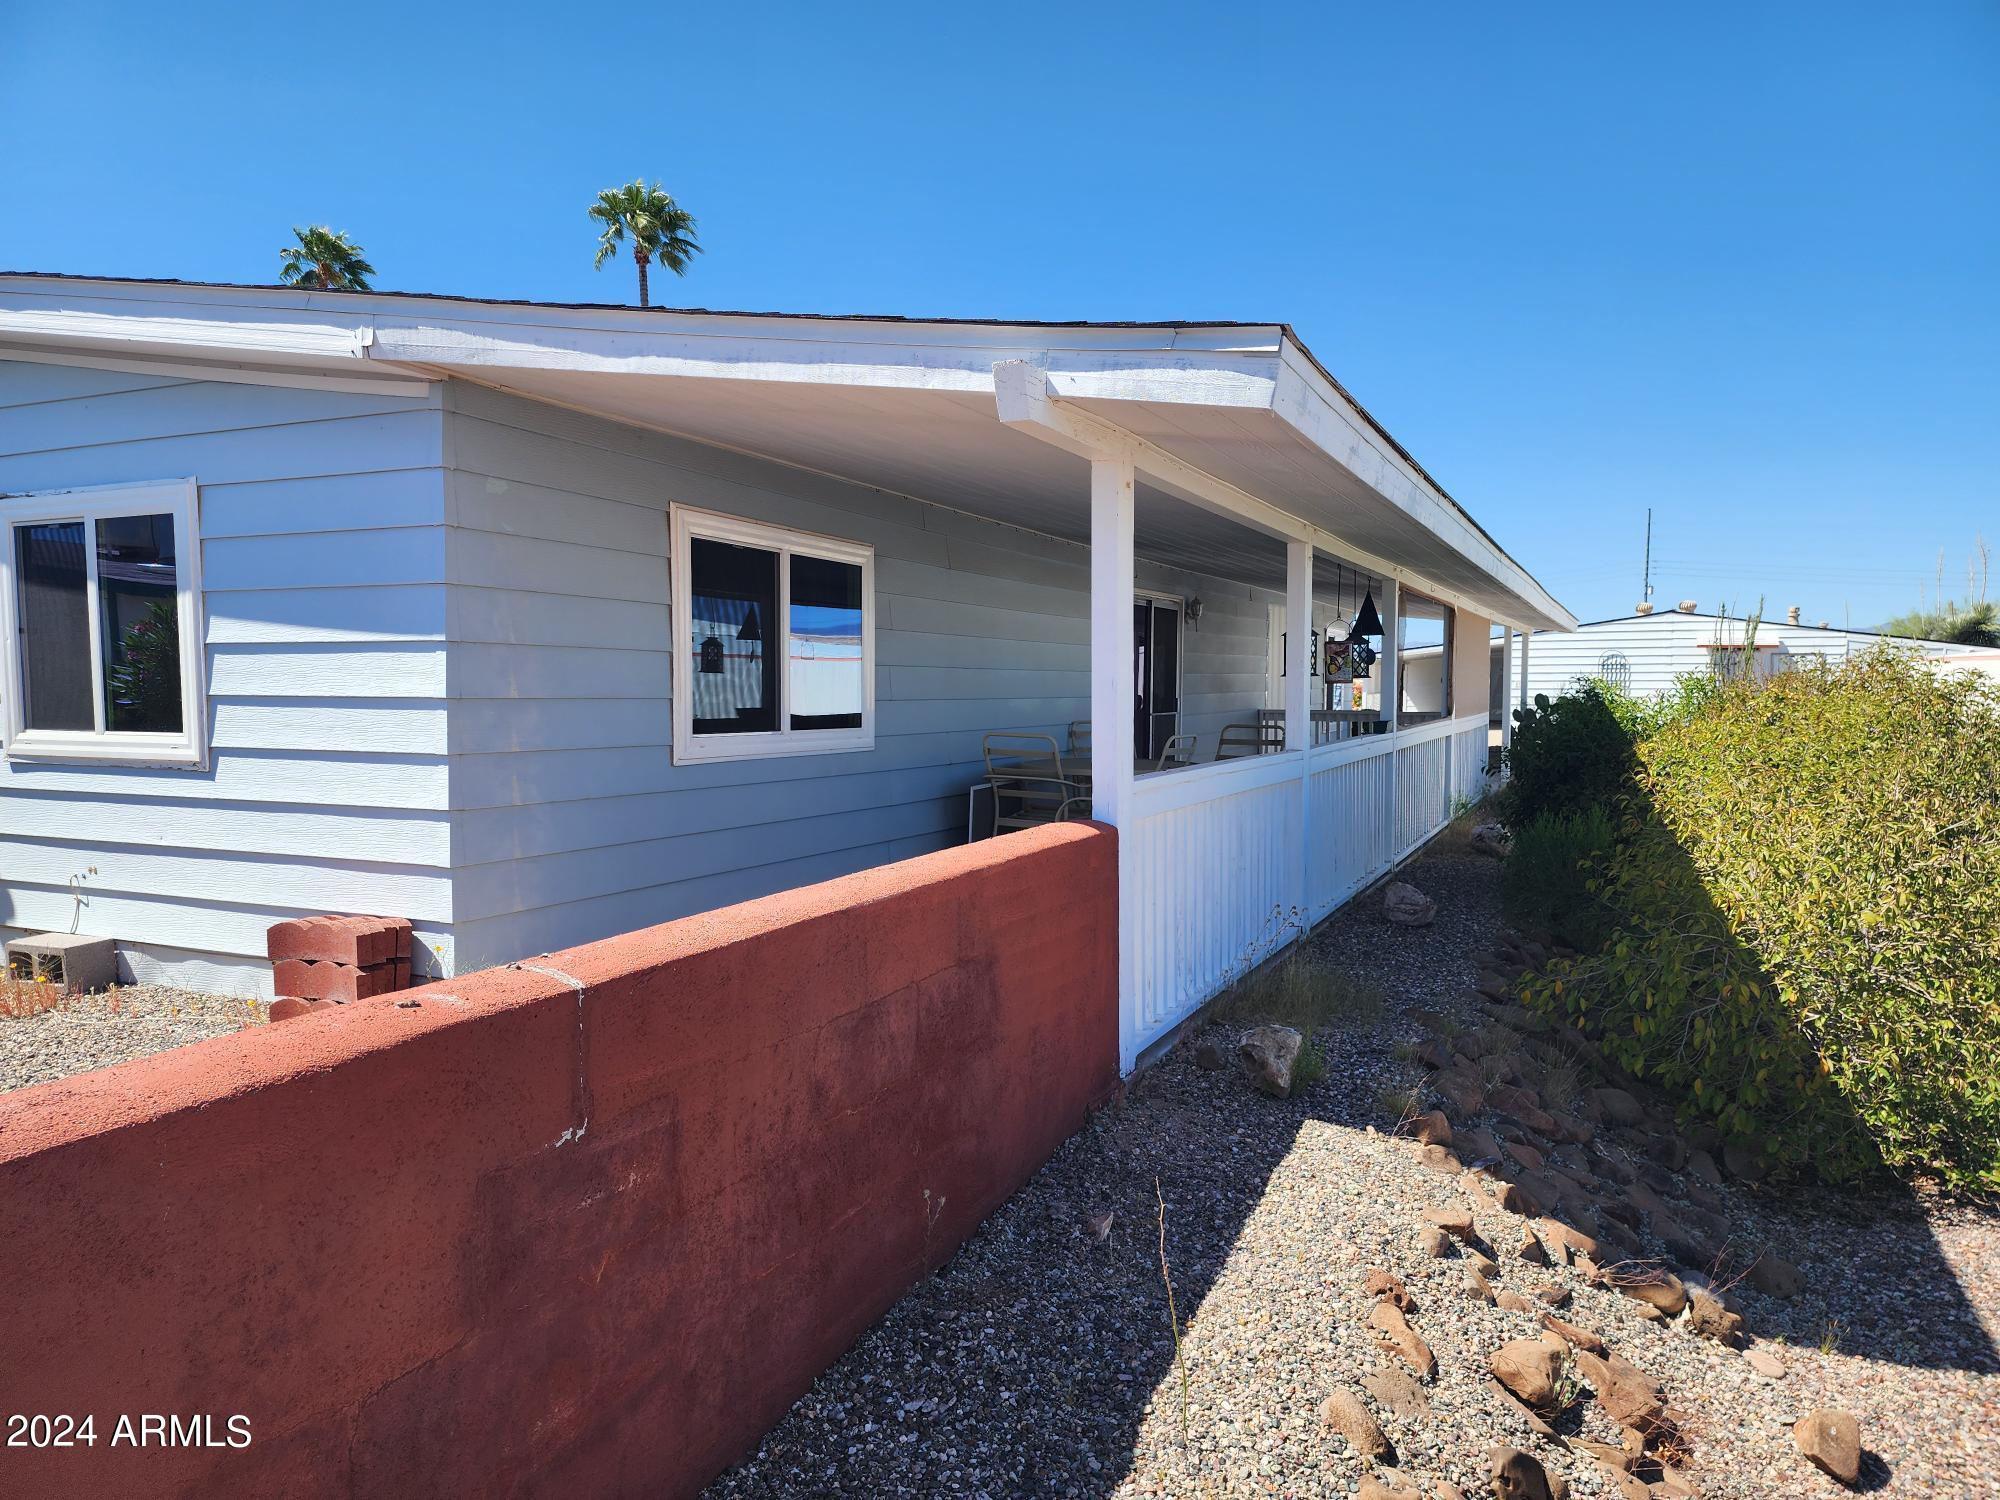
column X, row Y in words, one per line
column 569, row 820
column 323, row 569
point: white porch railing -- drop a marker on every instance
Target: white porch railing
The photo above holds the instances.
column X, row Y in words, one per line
column 1227, row 863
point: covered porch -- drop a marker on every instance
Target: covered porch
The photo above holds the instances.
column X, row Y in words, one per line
column 1219, row 451
column 1225, row 857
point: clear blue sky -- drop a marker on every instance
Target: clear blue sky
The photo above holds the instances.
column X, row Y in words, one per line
column 1737, row 262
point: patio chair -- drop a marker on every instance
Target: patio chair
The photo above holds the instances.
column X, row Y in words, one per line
column 1079, row 736
column 1030, row 787
column 1179, row 751
column 1238, row 740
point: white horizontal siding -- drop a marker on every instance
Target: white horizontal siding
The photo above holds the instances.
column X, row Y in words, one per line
column 1663, row 646
column 323, row 559
column 570, row 820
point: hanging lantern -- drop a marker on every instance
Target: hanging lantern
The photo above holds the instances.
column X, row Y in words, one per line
column 1367, row 621
column 1363, row 656
column 711, row 656
column 750, row 629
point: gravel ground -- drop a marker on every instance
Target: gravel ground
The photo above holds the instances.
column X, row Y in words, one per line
column 84, row 1032
column 1040, row 1360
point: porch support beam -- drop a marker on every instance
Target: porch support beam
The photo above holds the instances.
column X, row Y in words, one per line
column 1113, row 707
column 1298, row 709
column 1026, row 403
column 1506, row 687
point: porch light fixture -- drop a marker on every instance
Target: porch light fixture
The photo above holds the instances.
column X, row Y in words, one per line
column 1367, row 621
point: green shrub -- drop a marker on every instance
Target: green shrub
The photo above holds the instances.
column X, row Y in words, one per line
column 1806, row 921
column 1547, row 881
column 1568, row 754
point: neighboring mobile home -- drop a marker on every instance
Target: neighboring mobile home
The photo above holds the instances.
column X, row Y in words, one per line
column 1645, row 653
column 538, row 623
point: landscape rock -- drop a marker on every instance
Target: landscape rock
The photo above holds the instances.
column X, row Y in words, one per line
column 1434, row 1242
column 1433, row 1129
column 1269, row 1053
column 1438, row 1158
column 1479, row 1288
column 1713, row 1318
column 1658, row 1290
column 1776, row 1277
column 1456, row 1222
column 1387, row 1486
column 1765, row 1363
column 1348, row 1415
column 1629, row 1396
column 1531, row 1249
column 1477, row 1145
column 1387, row 1319
column 1512, row 1301
column 1380, row 1283
column 1832, row 1440
column 1490, row 839
column 1528, row 1368
column 1519, row 1476
column 1406, row 906
column 1618, row 1107
column 1571, row 1334
column 1397, row 1390
column 1461, row 1091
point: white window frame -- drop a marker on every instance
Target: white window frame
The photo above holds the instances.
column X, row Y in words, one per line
column 187, row 750
column 687, row 523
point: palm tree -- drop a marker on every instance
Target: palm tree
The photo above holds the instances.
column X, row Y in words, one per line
column 324, row 260
column 659, row 228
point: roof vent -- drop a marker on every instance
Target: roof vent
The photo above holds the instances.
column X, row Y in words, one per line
column 1826, row 624
column 1688, row 606
column 1792, row 615
column 1643, row 607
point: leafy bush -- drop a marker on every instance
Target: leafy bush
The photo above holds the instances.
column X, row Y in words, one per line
column 1548, row 881
column 1806, row 910
column 1568, row 754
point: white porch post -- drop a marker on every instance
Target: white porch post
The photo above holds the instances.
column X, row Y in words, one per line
column 1113, row 704
column 1521, row 701
column 1506, row 686
column 1298, row 707
column 1389, row 666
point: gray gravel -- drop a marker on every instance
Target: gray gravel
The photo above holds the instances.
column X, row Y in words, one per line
column 84, row 1032
column 1039, row 1362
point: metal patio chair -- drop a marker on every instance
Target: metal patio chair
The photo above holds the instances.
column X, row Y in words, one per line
column 1237, row 740
column 1030, row 786
column 1179, row 751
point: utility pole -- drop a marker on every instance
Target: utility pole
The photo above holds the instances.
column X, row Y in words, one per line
column 1646, row 590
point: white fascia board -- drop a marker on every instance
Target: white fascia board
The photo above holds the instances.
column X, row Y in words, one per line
column 57, row 313
column 358, row 382
column 828, row 353
column 1310, row 405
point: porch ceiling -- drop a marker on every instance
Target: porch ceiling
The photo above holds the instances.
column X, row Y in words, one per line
column 946, row 447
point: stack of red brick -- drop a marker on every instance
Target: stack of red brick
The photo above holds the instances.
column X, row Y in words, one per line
column 333, row 960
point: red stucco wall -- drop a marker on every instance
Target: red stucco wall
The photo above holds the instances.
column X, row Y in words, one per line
column 513, row 1238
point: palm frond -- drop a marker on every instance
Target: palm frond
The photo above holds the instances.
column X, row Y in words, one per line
column 659, row 228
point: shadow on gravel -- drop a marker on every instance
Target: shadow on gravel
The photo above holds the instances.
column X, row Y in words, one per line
column 1028, row 1364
